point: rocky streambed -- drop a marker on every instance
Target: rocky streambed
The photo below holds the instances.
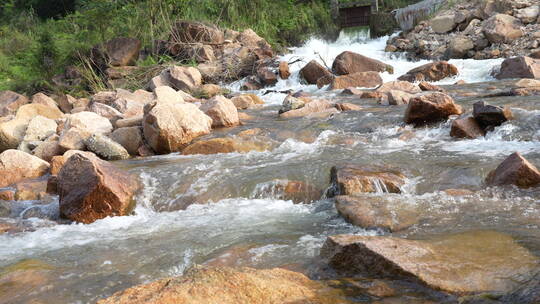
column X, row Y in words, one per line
column 409, row 193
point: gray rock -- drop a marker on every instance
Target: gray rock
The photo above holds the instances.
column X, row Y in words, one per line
column 106, row 148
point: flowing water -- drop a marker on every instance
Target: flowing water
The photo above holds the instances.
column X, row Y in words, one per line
column 226, row 209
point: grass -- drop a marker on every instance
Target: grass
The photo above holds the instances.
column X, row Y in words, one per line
column 33, row 49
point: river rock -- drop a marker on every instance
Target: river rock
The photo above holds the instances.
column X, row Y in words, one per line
column 489, row 116
column 29, row 111
column 10, row 102
column 466, row 128
column 66, row 102
column 432, row 107
column 209, row 90
column 17, row 165
column 443, row 23
column 247, row 101
column 46, row 150
column 225, row 285
column 74, row 139
column 297, row 191
column 476, row 261
column 357, row 179
column 89, row 122
column 123, row 51
column 362, row 79
column 169, row 127
column 350, row 63
column 106, row 148
column 91, row 189
column 404, row 86
column 106, row 111
column 130, row 138
column 12, row 133
column 222, row 111
column 313, row 71
column 426, row 86
column 502, row 28
column 267, row 76
column 519, row 67
column 224, row 145
column 292, row 103
column 135, row 121
column 459, row 47
column 347, row 106
column 284, row 72
column 310, row 108
column 167, row 94
column 182, row 78
column 434, row 71
column 396, row 97
column 514, row 170
column 372, row 212
column 40, row 128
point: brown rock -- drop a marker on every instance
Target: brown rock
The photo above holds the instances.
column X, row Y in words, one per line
column 370, row 212
column 313, row 71
column 130, row 138
column 477, row 261
column 404, row 86
column 92, row 189
column 316, row 106
column 106, row 111
column 345, row 106
column 229, row 286
column 363, row 79
column 169, row 127
column 66, row 103
column 432, row 107
column 325, row 80
column 251, row 84
column 247, row 101
column 434, row 71
column 489, row 116
column 514, row 170
column 466, row 128
column 7, row 195
column 48, row 149
column 30, row 189
column 57, row 162
column 183, row 78
column 135, row 121
column 502, row 28
column 123, row 51
column 222, row 111
column 357, row 179
column 16, row 165
column 426, row 86
column 12, row 133
column 267, row 76
column 396, row 97
column 10, row 102
column 196, row 32
column 519, row 67
column 284, row 72
column 29, row 111
column 350, row 63
column 224, row 145
column 352, row 91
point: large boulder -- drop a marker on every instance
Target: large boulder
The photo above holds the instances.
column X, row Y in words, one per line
column 443, row 23
column 313, row 71
column 89, row 122
column 179, row 78
column 17, row 165
column 502, row 28
column 434, row 71
column 283, row 70
column 10, row 102
column 169, row 127
column 466, row 128
column 477, row 261
column 373, row 212
column 91, row 189
column 514, row 170
column 519, row 67
column 41, row 98
column 429, row 108
column 196, row 32
column 224, row 145
column 350, row 63
column 229, row 286
column 29, row 111
column 106, row 148
column 222, row 111
column 359, row 179
column 106, row 111
column 123, row 51
column 489, row 116
column 361, row 79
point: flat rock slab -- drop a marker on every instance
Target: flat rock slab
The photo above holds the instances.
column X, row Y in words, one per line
column 353, row 179
column 477, row 261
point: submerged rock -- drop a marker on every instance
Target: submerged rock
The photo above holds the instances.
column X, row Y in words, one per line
column 477, row 261
column 311, row 108
column 434, row 71
column 222, row 111
column 350, row 63
column 228, row 286
column 358, row 179
column 502, row 28
column 224, row 145
column 373, row 212
column 91, row 189
column 429, row 108
column 514, row 170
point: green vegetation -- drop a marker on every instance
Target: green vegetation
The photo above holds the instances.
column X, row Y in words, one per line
column 40, row 38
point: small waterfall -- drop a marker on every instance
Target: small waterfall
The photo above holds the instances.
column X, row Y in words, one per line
column 409, row 16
